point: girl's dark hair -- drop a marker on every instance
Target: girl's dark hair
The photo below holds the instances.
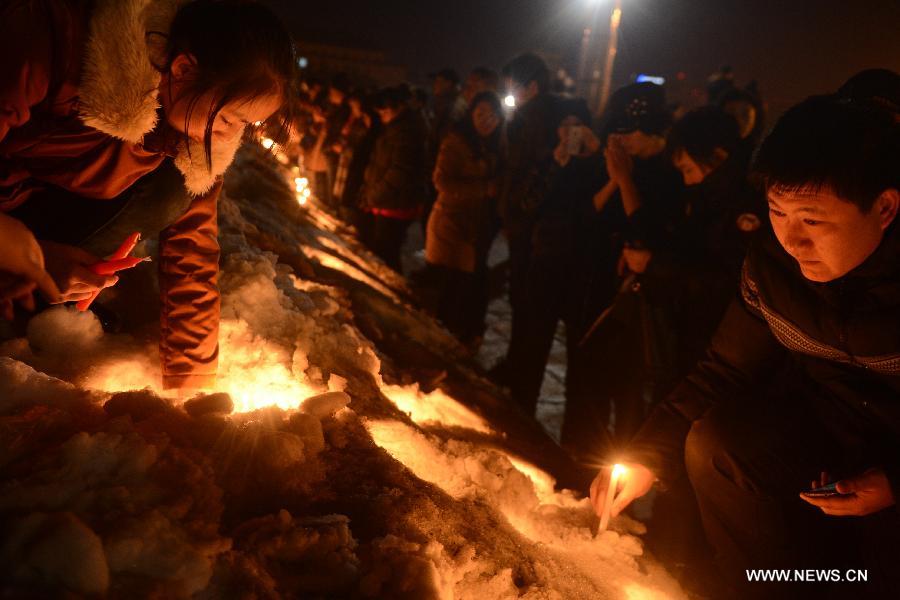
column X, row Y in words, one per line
column 242, row 51
column 700, row 132
column 466, row 128
column 828, row 141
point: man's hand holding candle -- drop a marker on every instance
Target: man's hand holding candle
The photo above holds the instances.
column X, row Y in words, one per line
column 634, row 481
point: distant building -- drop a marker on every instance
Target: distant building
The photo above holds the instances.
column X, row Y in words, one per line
column 363, row 66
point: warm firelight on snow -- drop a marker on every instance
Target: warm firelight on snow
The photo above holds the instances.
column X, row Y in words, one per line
column 255, row 372
column 333, row 262
column 543, row 483
column 123, row 376
column 434, row 408
column 269, row 385
column 635, row 591
column 524, row 494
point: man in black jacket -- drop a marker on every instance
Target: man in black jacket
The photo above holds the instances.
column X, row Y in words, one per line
column 819, row 313
column 539, row 207
column 394, row 180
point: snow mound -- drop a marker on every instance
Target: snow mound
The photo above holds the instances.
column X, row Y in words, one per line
column 330, row 461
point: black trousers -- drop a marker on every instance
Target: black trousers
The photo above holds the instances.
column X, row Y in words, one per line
column 462, row 300
column 605, row 385
column 518, row 239
column 560, row 287
column 547, row 298
column 747, row 466
column 573, row 287
column 384, row 236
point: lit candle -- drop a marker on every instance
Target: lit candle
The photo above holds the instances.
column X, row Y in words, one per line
column 617, row 472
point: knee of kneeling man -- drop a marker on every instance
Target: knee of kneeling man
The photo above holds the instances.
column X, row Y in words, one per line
column 709, row 437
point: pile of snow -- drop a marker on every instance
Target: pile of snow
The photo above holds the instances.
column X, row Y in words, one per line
column 319, row 466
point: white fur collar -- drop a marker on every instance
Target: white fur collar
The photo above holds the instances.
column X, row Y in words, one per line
column 119, row 84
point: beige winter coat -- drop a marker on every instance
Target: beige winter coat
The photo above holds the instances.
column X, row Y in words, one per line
column 461, row 215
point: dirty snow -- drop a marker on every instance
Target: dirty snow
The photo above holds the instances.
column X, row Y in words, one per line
column 364, row 457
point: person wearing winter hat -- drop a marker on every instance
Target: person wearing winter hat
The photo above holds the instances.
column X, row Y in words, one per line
column 634, row 129
column 880, row 88
column 641, row 195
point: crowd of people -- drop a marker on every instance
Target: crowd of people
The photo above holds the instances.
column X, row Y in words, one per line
column 730, row 300
column 687, row 257
column 631, row 233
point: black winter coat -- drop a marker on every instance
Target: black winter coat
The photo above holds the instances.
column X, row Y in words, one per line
column 843, row 337
column 531, row 171
column 395, row 175
column 697, row 268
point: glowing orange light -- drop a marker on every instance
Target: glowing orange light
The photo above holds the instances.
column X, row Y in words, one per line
column 618, row 471
column 255, row 372
column 434, row 408
column 616, row 17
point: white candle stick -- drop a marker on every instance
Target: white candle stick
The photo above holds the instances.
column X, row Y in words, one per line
column 617, row 472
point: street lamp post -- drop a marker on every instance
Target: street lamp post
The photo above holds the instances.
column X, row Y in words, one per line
column 611, row 50
column 585, row 61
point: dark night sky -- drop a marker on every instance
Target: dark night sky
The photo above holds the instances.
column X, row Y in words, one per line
column 794, row 48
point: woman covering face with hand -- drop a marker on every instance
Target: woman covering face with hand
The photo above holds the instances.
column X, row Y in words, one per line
column 121, row 116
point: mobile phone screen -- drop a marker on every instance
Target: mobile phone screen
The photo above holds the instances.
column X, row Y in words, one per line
column 823, row 492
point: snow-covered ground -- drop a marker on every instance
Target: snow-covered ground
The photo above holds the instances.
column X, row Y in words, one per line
column 364, row 456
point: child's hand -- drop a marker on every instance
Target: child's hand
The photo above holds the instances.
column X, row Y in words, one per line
column 70, row 268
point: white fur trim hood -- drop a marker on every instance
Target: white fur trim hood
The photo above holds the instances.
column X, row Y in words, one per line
column 119, row 88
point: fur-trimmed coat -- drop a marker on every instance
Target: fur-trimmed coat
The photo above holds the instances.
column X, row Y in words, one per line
column 79, row 111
